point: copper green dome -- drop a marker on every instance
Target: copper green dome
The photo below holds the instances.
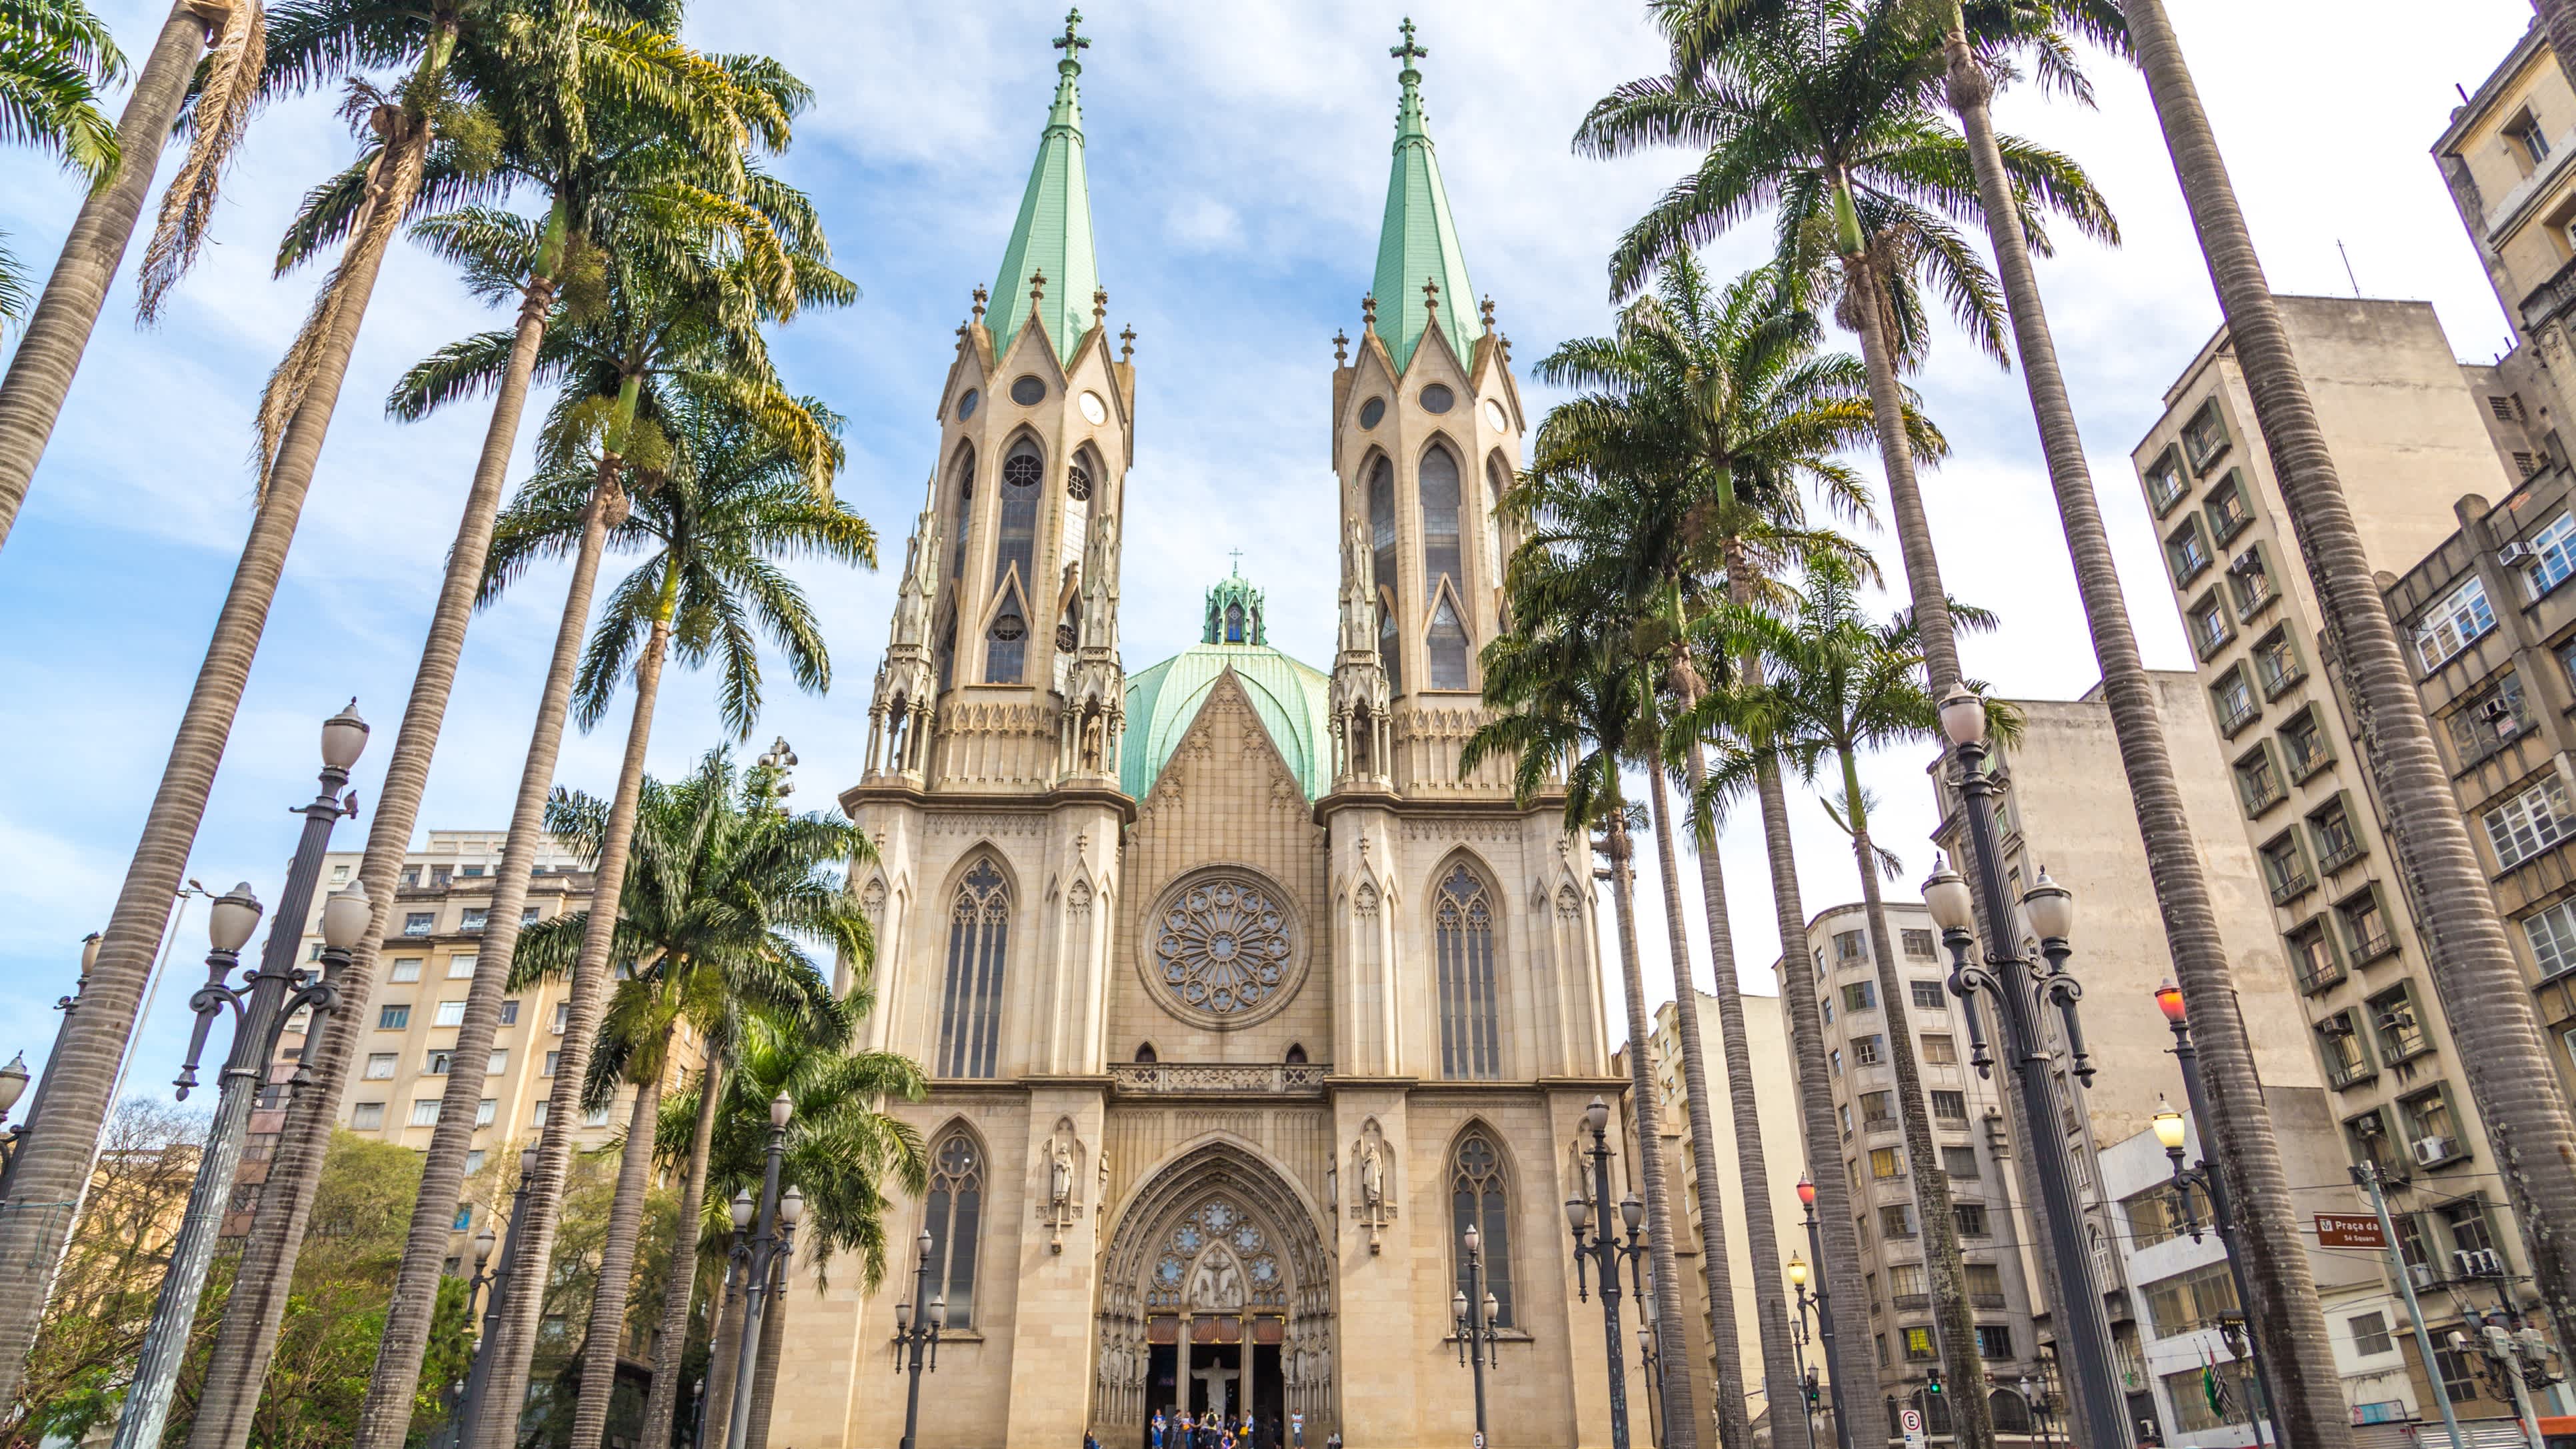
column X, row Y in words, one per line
column 1293, row 700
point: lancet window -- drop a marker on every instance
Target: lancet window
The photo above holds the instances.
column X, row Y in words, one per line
column 1390, row 639
column 962, row 487
column 955, row 1220
column 1021, row 470
column 1476, row 1195
column 1463, row 934
column 979, row 938
column 1438, row 485
column 1446, row 644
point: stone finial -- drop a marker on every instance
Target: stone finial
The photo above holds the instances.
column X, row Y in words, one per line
column 1368, row 312
column 981, row 297
column 1037, row 290
column 1431, row 295
column 1507, row 345
column 961, row 333
column 1127, row 344
column 1100, row 306
column 1485, row 311
column 1341, row 348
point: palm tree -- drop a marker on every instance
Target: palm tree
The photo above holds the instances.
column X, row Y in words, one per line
column 40, row 374
column 721, row 886
column 1572, row 690
column 736, row 498
column 2502, row 1048
column 1841, row 684
column 842, row 1151
column 54, row 56
column 1725, row 408
column 333, row 38
column 588, row 100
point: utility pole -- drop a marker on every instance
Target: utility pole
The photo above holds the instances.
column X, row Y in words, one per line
column 2367, row 1174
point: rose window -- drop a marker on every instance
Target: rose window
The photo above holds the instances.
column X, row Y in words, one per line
column 1224, row 945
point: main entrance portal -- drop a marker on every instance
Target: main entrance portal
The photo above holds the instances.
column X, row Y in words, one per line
column 1216, row 1298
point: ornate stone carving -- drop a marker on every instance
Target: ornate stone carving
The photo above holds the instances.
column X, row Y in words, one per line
column 1223, row 948
column 1375, row 1193
column 1274, row 1079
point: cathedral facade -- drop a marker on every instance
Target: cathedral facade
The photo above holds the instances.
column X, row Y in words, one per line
column 1240, row 1003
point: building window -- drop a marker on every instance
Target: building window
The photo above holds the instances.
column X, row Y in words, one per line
column 594, row 1117
column 2233, row 699
column 1878, row 1111
column 1929, row 995
column 2471, row 1232
column 2552, row 935
column 1940, row 1049
column 2165, row 485
column 553, row 1060
column 1896, row 1220
column 955, row 1220
column 1470, row 1013
column 411, row 877
column 1381, row 496
column 2210, row 626
column 562, row 1017
column 2370, row 1334
column 2365, row 926
column 2530, row 822
column 472, row 918
column 1860, row 996
column 2338, row 840
column 1919, row 945
column 1476, row 1196
column 484, row 1111
column 979, row 927
column 497, row 1062
column 2314, row 962
column 1918, row 1343
column 424, row 1112
column 1437, row 483
column 2276, row 662
column 2346, row 1051
column 1971, row 1217
column 450, row 1013
column 528, row 914
column 1445, row 646
column 367, row 1116
column 2489, row 720
column 1849, row 947
column 510, row 1013
column 2249, row 581
column 1835, row 1058
column 1006, row 644
column 2428, row 1118
column 1994, row 1340
column 1022, row 469
column 2528, row 146
column 380, row 1065
column 2303, row 740
column 2285, row 868
column 1948, row 1106
column 2258, row 780
column 2187, row 550
column 2205, row 436
column 2453, row 624
column 1886, row 1163
column 2401, row 1032
column 2229, row 510
column 460, row 968
column 393, row 1018
column 2192, row 1299
column 437, row 1064
column 2457, row 1384
column 1959, row 1163
column 1825, row 1004
column 1866, row 1050
column 406, row 968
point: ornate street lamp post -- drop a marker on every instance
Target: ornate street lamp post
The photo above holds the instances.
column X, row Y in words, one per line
column 2170, row 1130
column 481, row 1368
column 261, row 1006
column 1594, row 1239
column 916, row 1332
column 772, row 1243
column 1825, row 1317
column 1798, row 1343
column 2020, row 990
column 1472, row 1311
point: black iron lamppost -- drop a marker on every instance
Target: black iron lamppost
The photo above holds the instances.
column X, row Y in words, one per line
column 916, row 1332
column 498, row 1303
column 13, row 1085
column 1652, row 1366
column 1603, row 1248
column 2170, row 1130
column 2020, row 990
column 2035, row 1394
column 14, row 1077
column 1472, row 1311
column 260, row 1006
column 1798, row 1274
column 1824, row 1316
column 772, row 1243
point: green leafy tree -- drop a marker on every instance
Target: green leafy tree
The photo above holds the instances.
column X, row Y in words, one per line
column 54, row 57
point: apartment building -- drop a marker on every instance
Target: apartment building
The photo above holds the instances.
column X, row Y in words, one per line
column 1775, row 1090
column 2505, row 157
column 2411, row 429
column 1968, row 1122
column 429, row 959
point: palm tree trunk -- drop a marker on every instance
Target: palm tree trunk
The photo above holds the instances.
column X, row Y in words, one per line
column 773, row 1341
column 2559, row 19
column 1905, row 499
column 2501, row 1047
column 40, row 372
column 508, row 1386
column 609, row 1296
column 672, row 1339
column 54, row 1168
column 715, row 1399
column 1952, row 1314
column 1734, row 1428
column 2307, row 1392
column 1681, row 1421
column 247, row 1340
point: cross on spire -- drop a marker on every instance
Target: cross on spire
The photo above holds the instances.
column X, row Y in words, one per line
column 1408, row 52
column 1238, row 561
column 1072, row 42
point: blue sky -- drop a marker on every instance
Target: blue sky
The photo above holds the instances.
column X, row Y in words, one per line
column 1238, row 170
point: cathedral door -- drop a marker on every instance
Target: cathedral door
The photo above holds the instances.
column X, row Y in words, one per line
column 1216, row 1298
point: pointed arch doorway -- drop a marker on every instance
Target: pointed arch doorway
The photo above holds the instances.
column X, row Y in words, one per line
column 1216, row 1297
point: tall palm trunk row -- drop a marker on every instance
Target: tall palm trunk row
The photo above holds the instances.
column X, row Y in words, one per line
column 672, row 1337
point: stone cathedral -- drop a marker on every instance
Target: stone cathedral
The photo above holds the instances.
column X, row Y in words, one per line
column 1240, row 1003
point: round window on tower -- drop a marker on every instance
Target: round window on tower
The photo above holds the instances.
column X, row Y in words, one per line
column 1077, row 482
column 1028, row 392
column 1020, row 470
column 966, row 404
column 1094, row 409
column 1437, row 398
column 1372, row 412
column 1009, row 627
column 1496, row 418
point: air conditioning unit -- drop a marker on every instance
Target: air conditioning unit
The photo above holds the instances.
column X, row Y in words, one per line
column 2514, row 553
column 2430, row 1150
column 2245, row 563
column 2422, row 1273
column 2479, row 1263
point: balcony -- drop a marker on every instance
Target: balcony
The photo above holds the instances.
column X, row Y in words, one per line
column 2233, row 719
column 1985, row 1300
column 2373, row 947
column 2313, row 980
column 1913, row 1302
column 1177, row 1079
column 2290, row 888
column 2303, row 766
column 1878, row 1124
column 2343, row 855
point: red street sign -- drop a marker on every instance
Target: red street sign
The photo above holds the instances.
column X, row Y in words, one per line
column 2350, row 1230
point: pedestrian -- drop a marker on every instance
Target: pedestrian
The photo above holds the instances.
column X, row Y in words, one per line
column 1158, row 1429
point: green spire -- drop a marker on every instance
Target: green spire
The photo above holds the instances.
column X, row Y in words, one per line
column 1234, row 610
column 1053, row 234
column 1418, row 242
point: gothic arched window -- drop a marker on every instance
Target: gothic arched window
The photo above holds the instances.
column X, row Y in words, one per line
column 954, row 1218
column 1006, row 643
column 970, row 1008
column 947, row 651
column 1021, row 470
column 1446, row 645
column 1390, row 640
column 1498, row 481
column 961, row 486
column 1234, row 623
column 1462, row 915
column 1476, row 1196
column 1438, row 485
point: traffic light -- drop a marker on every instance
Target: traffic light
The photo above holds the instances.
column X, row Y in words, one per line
column 1931, row 1383
column 1813, row 1396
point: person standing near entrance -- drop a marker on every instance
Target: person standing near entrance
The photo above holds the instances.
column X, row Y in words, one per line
column 1158, row 1429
